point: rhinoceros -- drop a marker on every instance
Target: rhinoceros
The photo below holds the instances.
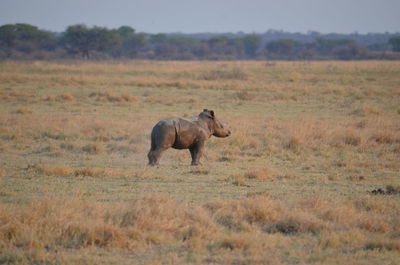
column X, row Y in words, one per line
column 185, row 133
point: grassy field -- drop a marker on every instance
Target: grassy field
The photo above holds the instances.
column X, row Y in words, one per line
column 292, row 184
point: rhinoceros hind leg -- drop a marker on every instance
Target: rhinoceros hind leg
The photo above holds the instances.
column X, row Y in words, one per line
column 154, row 156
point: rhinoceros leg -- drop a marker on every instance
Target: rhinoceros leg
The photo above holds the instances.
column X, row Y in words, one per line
column 152, row 158
column 196, row 151
column 162, row 138
column 155, row 155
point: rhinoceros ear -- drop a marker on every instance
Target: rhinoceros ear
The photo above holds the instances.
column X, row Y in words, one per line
column 212, row 113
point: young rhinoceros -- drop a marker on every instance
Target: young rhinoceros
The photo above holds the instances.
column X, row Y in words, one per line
column 182, row 133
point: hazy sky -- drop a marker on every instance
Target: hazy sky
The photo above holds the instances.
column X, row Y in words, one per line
column 194, row 16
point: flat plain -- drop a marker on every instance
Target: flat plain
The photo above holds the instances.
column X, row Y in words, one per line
column 310, row 174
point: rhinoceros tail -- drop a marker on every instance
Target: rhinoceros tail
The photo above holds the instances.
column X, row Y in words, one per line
column 153, row 145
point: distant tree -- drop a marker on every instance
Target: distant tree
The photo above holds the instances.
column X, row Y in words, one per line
column 395, row 43
column 251, row 44
column 216, row 40
column 26, row 41
column 217, row 44
column 127, row 44
column 224, row 48
column 377, row 46
column 165, row 51
column 24, row 38
column 201, row 50
column 350, row 51
column 125, row 32
column 102, row 38
column 326, row 46
column 130, row 43
column 343, row 49
column 179, row 40
column 8, row 37
column 77, row 39
column 158, row 38
column 282, row 47
column 136, row 43
column 176, row 47
column 83, row 40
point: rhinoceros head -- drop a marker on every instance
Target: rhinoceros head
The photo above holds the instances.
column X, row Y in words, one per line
column 218, row 128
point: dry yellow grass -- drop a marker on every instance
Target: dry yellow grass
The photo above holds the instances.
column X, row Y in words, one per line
column 3, row 172
column 240, row 226
column 310, row 174
column 51, row 170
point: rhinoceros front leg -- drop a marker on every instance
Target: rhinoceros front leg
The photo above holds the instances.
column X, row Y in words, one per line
column 196, row 152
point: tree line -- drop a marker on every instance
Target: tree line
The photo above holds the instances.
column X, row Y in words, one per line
column 25, row 41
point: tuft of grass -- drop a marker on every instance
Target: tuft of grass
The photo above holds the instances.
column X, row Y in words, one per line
column 236, row 241
column 3, row 172
column 52, row 170
column 199, row 171
column 112, row 97
column 382, row 245
column 285, row 227
column 13, row 256
column 239, row 180
column 67, row 146
column 234, row 73
column 102, row 138
column 296, row 222
column 357, row 177
column 260, row 174
column 66, row 97
column 90, row 172
column 241, row 215
column 119, row 148
column 384, row 137
column 93, row 149
column 23, row 111
column 243, row 95
column 366, row 111
column 225, row 159
column 352, row 139
column 293, row 143
column 143, row 173
column 392, row 189
column 129, row 98
column 84, row 235
column 55, row 135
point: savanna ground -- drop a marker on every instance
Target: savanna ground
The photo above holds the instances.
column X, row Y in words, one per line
column 292, row 185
